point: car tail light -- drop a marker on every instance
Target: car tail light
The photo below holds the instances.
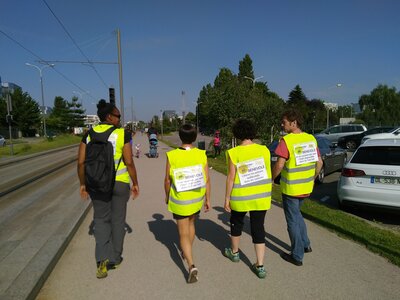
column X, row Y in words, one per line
column 352, row 172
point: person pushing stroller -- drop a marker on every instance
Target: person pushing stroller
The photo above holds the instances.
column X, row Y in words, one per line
column 153, row 142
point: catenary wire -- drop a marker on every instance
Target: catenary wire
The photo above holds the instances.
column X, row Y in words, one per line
column 44, row 62
column 77, row 46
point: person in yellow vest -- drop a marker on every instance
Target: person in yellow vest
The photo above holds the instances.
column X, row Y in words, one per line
column 248, row 189
column 299, row 163
column 110, row 212
column 187, row 187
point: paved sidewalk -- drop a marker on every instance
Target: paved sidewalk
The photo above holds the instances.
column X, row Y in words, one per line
column 152, row 268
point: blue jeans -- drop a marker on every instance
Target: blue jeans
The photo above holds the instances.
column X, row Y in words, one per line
column 295, row 225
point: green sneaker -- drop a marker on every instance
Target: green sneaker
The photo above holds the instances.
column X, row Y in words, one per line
column 102, row 269
column 259, row 271
column 232, row 256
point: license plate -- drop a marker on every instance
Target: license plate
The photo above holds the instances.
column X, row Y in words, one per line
column 385, row 180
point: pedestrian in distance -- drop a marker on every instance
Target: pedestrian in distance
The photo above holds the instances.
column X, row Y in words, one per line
column 107, row 147
column 187, row 187
column 299, row 163
column 248, row 189
column 217, row 144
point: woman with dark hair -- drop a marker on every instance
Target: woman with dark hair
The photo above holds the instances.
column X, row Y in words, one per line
column 187, row 186
column 110, row 210
column 248, row 189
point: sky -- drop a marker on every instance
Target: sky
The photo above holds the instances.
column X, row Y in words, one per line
column 173, row 46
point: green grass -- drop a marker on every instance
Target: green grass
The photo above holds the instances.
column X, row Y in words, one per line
column 381, row 241
column 44, row 145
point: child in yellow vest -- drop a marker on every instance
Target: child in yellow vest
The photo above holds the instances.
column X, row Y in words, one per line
column 187, row 187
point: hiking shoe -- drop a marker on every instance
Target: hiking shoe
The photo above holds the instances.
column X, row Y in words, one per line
column 113, row 266
column 102, row 269
column 192, row 278
column 232, row 256
column 291, row 259
column 259, row 271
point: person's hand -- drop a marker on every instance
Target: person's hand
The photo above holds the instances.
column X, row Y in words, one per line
column 227, row 205
column 166, row 199
column 84, row 194
column 207, row 205
column 135, row 191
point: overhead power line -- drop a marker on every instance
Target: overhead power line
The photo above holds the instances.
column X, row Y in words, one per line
column 76, row 45
column 43, row 61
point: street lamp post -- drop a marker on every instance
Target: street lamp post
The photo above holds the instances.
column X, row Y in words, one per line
column 253, row 79
column 81, row 95
column 161, row 121
column 41, row 86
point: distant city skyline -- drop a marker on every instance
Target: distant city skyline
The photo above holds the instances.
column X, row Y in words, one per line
column 174, row 46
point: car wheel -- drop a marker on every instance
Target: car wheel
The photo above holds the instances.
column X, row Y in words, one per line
column 321, row 176
column 351, row 145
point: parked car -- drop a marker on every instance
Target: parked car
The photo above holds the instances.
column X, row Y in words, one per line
column 333, row 157
column 353, row 141
column 2, row 141
column 394, row 134
column 372, row 175
column 335, row 132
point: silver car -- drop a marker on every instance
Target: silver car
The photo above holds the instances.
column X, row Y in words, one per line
column 2, row 141
column 372, row 176
column 335, row 132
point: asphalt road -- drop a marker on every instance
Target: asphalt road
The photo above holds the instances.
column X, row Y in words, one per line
column 152, row 268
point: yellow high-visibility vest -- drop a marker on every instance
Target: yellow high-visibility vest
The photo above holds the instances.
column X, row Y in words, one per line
column 116, row 138
column 252, row 184
column 297, row 179
column 188, row 181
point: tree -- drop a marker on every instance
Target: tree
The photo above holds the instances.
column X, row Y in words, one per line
column 190, row 118
column 77, row 114
column 246, row 69
column 60, row 118
column 25, row 112
column 381, row 106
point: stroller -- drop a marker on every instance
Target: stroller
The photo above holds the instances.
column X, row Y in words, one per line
column 153, row 141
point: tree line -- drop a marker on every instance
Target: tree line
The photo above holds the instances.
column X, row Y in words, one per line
column 27, row 118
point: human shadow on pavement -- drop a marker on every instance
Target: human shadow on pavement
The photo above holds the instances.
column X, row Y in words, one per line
column 166, row 232
column 271, row 241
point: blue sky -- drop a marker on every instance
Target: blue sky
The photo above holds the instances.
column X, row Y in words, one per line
column 173, row 46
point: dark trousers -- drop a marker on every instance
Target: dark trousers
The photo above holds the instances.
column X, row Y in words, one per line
column 109, row 224
column 257, row 218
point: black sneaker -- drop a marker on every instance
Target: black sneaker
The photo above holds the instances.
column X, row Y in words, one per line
column 113, row 266
column 289, row 258
column 308, row 249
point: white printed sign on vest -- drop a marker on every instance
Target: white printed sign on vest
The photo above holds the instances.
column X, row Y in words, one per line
column 189, row 178
column 305, row 153
column 252, row 171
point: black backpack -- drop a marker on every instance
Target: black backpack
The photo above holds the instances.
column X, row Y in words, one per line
column 99, row 165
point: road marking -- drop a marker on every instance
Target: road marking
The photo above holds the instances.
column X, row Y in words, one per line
column 323, row 199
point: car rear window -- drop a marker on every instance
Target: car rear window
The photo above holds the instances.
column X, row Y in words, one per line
column 377, row 156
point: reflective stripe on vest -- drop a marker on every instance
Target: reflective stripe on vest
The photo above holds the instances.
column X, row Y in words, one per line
column 297, row 180
column 255, row 195
column 186, row 203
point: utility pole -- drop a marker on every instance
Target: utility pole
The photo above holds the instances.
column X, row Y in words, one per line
column 121, row 89
column 9, row 119
column 183, row 107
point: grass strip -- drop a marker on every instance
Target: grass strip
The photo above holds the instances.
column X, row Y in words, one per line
column 44, row 145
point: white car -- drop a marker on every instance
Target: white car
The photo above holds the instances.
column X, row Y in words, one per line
column 393, row 134
column 372, row 175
